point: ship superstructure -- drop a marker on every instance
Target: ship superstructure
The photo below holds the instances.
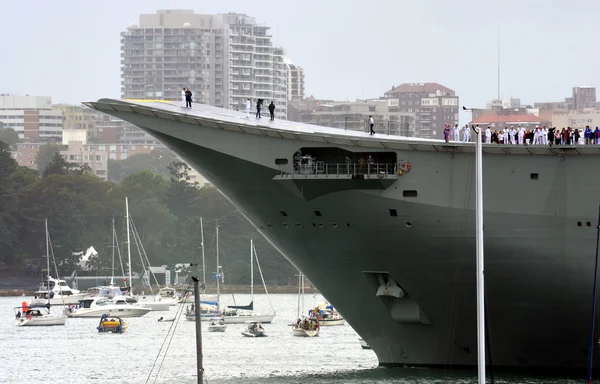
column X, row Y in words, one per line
column 384, row 227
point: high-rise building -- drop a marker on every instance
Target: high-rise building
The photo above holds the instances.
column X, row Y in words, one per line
column 224, row 59
column 32, row 117
column 295, row 79
column 434, row 105
column 584, row 97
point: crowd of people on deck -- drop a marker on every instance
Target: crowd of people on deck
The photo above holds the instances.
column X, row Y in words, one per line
column 518, row 135
column 307, row 324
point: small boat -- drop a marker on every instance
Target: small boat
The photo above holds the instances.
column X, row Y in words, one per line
column 364, row 344
column 98, row 306
column 254, row 329
column 208, row 311
column 327, row 315
column 112, row 324
column 309, row 327
column 163, row 320
column 217, row 325
column 37, row 316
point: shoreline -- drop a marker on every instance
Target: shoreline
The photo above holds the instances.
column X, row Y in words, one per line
column 227, row 289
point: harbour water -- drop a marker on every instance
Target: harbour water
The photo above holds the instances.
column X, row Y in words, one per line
column 77, row 353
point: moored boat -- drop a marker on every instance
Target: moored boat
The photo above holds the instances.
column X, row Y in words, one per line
column 112, row 324
column 308, row 327
column 217, row 325
column 253, row 329
column 37, row 316
column 98, row 306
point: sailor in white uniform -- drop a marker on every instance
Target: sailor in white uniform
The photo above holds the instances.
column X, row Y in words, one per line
column 544, row 136
column 488, row 135
column 521, row 134
column 248, row 108
column 505, row 135
column 466, row 134
column 456, row 133
column 183, row 98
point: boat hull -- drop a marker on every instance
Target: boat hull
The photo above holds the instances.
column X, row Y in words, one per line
column 61, row 300
column 217, row 328
column 250, row 334
column 329, row 323
column 240, row 319
column 539, row 240
column 299, row 332
column 119, row 311
column 41, row 321
column 156, row 305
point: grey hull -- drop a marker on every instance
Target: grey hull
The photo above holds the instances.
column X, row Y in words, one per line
column 538, row 260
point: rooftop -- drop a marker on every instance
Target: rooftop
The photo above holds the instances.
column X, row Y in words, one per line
column 507, row 119
column 420, row 87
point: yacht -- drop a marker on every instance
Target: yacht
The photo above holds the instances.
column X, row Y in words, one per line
column 98, row 306
column 28, row 316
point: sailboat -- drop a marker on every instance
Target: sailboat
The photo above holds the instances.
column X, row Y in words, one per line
column 306, row 327
column 55, row 291
column 39, row 314
column 237, row 314
column 152, row 302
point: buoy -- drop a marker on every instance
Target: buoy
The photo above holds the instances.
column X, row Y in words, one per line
column 400, row 172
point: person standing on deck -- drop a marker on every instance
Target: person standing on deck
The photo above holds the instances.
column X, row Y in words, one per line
column 505, row 135
column 521, row 134
column 446, row 132
column 272, row 111
column 248, row 108
column 456, row 133
column 258, row 105
column 488, row 135
column 466, row 134
column 183, row 103
column 188, row 98
column 371, row 124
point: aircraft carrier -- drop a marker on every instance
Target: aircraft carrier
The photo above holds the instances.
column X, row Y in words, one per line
column 390, row 240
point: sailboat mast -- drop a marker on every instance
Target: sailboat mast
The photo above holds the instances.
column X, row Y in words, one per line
column 299, row 293
column 479, row 264
column 203, row 261
column 302, row 282
column 47, row 252
column 218, row 269
column 112, row 276
column 252, row 269
column 128, row 245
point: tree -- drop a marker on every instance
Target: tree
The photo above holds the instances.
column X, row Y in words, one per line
column 57, row 166
column 9, row 136
column 9, row 225
column 45, row 156
column 23, row 177
column 156, row 161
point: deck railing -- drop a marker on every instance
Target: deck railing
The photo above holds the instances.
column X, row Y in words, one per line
column 320, row 168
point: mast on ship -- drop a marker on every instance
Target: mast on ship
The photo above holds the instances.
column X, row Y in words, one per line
column 479, row 263
column 203, row 262
column 47, row 253
column 218, row 274
column 112, row 276
column 252, row 271
column 128, row 245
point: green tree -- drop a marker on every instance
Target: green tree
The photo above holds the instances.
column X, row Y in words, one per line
column 23, row 176
column 9, row 136
column 156, row 161
column 45, row 155
column 9, row 225
column 57, row 166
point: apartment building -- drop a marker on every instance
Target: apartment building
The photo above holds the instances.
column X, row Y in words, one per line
column 96, row 156
column 433, row 104
column 32, row 117
column 354, row 115
column 224, row 59
column 295, row 79
column 25, row 153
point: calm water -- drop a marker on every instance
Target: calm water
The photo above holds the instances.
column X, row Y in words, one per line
column 77, row 353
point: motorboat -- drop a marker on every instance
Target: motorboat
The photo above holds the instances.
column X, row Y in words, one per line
column 308, row 327
column 168, row 295
column 217, row 325
column 253, row 329
column 56, row 292
column 364, row 344
column 112, row 324
column 98, row 306
column 153, row 305
column 28, row 316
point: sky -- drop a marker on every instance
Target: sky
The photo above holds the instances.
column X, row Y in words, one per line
column 70, row 49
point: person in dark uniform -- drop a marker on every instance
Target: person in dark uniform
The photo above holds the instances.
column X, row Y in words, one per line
column 258, row 105
column 272, row 110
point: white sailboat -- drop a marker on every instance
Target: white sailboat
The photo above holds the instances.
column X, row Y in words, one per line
column 98, row 306
column 151, row 301
column 54, row 291
column 306, row 327
column 242, row 314
column 37, row 316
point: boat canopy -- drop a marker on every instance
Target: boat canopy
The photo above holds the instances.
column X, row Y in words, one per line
column 249, row 307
